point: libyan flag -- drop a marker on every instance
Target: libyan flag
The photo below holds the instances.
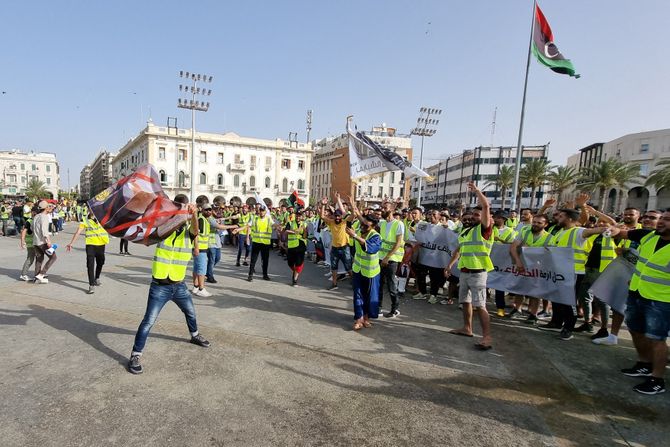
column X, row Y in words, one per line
column 294, row 201
column 544, row 48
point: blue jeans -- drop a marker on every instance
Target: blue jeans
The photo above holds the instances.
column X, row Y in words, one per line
column 338, row 254
column 242, row 242
column 213, row 258
column 648, row 317
column 159, row 295
column 366, row 296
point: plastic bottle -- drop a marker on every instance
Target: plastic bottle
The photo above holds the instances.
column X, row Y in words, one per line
column 50, row 251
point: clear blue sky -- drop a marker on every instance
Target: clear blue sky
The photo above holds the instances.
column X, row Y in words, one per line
column 81, row 75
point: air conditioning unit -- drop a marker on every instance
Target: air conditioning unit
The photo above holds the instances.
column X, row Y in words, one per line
column 267, row 168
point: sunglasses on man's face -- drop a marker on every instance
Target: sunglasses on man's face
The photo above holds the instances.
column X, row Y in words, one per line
column 650, row 217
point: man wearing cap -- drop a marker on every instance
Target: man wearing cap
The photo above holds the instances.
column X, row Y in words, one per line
column 42, row 242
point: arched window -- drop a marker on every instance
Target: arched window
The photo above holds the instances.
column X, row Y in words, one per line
column 203, row 178
column 301, row 184
column 236, row 181
column 182, row 179
column 219, row 179
column 268, row 182
column 163, row 176
column 252, row 181
column 284, row 185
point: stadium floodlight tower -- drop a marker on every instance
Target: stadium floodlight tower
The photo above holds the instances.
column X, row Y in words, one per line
column 194, row 105
column 425, row 127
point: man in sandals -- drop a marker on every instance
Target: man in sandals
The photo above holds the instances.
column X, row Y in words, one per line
column 474, row 262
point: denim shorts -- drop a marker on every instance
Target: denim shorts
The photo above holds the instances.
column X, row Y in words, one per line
column 648, row 317
column 200, row 263
column 340, row 253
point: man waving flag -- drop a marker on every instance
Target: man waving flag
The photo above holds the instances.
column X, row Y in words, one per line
column 544, row 48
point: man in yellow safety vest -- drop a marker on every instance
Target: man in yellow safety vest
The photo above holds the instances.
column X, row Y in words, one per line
column 96, row 240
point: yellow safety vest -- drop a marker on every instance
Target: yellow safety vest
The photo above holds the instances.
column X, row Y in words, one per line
column 512, row 223
column 203, row 236
column 568, row 238
column 507, row 235
column 172, row 255
column 261, row 230
column 652, row 271
column 354, row 226
column 607, row 250
column 474, row 250
column 365, row 263
column 244, row 220
column 625, row 243
column 388, row 235
column 4, row 213
column 27, row 214
column 29, row 232
column 527, row 237
column 95, row 234
column 293, row 240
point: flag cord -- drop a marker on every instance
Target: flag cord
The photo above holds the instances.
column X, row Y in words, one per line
column 515, row 188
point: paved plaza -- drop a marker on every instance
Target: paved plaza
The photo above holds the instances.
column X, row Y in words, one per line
column 285, row 368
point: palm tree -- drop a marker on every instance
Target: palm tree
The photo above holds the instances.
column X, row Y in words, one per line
column 606, row 175
column 534, row 175
column 626, row 174
column 36, row 190
column 503, row 182
column 562, row 179
column 660, row 177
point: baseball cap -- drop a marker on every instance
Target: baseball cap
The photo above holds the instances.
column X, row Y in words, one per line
column 43, row 205
column 206, row 206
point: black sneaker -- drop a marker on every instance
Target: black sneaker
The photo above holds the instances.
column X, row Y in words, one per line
column 532, row 319
column 127, row 254
column 293, row 282
column 586, row 327
column 550, row 327
column 134, row 365
column 245, row 263
column 513, row 312
column 653, row 385
column 211, row 280
column 565, row 335
column 392, row 314
column 237, row 264
column 200, row 341
column 250, row 278
column 332, row 287
column 602, row 333
column 640, row 369
column 267, row 278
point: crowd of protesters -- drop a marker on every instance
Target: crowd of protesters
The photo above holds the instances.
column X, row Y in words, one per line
column 376, row 250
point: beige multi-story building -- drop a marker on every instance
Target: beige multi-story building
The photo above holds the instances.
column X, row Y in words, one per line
column 19, row 168
column 85, row 183
column 229, row 168
column 644, row 149
column 480, row 165
column 330, row 168
column 100, row 173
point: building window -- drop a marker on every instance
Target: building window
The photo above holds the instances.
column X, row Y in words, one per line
column 252, row 181
column 391, row 192
column 161, row 153
column 23, row 180
column 284, row 185
column 236, row 181
column 381, row 179
column 381, row 191
column 182, row 154
column 285, row 163
column 253, row 162
column 301, row 165
column 219, row 179
column 48, row 180
column 301, row 184
column 644, row 148
column 12, row 178
column 219, row 158
column 23, row 167
column 203, row 178
column 163, row 176
column 644, row 169
column 203, row 157
column 268, row 182
column 48, row 168
column 268, row 162
column 238, row 158
column 34, row 168
column 182, row 179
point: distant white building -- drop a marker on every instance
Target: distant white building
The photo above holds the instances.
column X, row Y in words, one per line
column 230, row 168
column 85, row 183
column 19, row 168
column 645, row 149
column 100, row 174
column 480, row 165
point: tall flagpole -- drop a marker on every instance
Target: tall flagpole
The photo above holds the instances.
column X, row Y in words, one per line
column 519, row 151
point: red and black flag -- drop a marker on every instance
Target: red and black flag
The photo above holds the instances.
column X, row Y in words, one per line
column 295, row 202
column 544, row 48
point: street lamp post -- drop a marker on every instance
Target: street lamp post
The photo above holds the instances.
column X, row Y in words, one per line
column 194, row 105
column 425, row 127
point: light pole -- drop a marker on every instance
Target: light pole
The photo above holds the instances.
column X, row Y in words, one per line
column 193, row 105
column 423, row 129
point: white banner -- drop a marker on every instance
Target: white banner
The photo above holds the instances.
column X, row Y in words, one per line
column 611, row 287
column 437, row 244
column 549, row 273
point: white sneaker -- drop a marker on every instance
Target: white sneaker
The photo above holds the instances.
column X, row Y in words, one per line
column 432, row 299
column 40, row 279
column 610, row 340
column 204, row 293
column 419, row 296
column 24, row 278
column 194, row 291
